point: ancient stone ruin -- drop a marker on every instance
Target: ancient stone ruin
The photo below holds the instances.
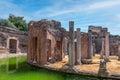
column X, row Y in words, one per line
column 48, row 43
column 45, row 41
column 12, row 40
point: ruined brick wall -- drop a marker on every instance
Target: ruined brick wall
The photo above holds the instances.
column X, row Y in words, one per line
column 114, row 42
column 36, row 44
column 97, row 33
column 49, row 36
column 6, row 32
column 56, row 47
column 84, row 45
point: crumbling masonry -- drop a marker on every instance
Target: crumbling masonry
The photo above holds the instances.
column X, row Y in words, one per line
column 12, row 40
column 48, row 42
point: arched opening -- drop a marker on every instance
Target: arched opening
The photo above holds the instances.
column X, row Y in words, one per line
column 58, row 50
column 35, row 48
column 49, row 56
column 13, row 45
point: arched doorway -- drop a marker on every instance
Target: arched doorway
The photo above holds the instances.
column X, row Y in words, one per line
column 49, row 56
column 13, row 46
column 35, row 42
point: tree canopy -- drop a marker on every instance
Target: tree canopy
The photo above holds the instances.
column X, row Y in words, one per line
column 15, row 22
column 5, row 22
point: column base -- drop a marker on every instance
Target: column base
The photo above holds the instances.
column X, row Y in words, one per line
column 107, row 60
column 78, row 63
column 118, row 59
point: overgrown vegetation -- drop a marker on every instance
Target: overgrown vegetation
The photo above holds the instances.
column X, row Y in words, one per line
column 15, row 22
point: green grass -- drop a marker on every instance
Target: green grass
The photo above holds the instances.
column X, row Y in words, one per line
column 27, row 72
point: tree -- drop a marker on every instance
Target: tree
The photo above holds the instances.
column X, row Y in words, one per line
column 19, row 22
column 15, row 22
column 7, row 23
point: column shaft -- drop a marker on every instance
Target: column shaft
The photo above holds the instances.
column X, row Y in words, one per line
column 107, row 46
column 71, row 44
column 78, row 56
column 102, row 49
column 90, row 53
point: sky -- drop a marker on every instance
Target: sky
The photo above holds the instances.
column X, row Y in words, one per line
column 105, row 13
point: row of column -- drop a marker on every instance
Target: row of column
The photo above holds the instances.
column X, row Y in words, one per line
column 104, row 50
column 71, row 45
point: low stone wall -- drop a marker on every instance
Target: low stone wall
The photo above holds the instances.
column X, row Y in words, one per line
column 74, row 70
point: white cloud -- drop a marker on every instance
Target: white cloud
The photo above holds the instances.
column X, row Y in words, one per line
column 62, row 9
column 65, row 10
column 10, row 8
column 103, row 5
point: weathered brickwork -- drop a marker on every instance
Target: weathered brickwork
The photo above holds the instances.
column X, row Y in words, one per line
column 45, row 41
column 48, row 42
column 97, row 33
column 8, row 35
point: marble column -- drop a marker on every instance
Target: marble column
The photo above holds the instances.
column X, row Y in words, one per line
column 107, row 46
column 78, row 56
column 119, row 52
column 71, row 44
column 90, row 51
column 102, row 49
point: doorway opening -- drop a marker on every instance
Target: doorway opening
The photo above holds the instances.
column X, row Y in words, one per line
column 35, row 49
column 49, row 56
column 13, row 46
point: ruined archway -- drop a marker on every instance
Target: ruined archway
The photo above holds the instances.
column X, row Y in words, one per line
column 12, row 44
column 58, row 50
column 35, row 42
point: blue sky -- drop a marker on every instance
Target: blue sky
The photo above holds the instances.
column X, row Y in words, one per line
column 104, row 13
